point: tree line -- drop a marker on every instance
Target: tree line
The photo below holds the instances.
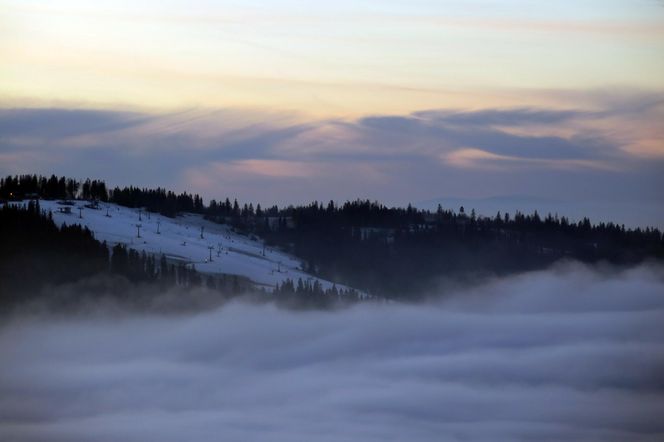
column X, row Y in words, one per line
column 392, row 251
column 404, row 251
column 28, row 186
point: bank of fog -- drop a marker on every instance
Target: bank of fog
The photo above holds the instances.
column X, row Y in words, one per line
column 573, row 353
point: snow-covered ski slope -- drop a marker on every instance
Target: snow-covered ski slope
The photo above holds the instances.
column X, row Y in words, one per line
column 180, row 240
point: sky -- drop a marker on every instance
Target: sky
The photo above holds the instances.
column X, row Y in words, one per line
column 291, row 101
column 572, row 353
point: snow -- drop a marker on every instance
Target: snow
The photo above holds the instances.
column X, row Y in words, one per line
column 180, row 240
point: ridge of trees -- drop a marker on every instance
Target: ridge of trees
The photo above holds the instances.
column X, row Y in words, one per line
column 388, row 250
column 53, row 187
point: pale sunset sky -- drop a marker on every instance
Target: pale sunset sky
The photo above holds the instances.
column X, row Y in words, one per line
column 288, row 101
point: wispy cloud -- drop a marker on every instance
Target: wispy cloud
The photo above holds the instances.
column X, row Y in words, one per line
column 63, row 123
column 284, row 157
column 481, row 159
column 339, row 59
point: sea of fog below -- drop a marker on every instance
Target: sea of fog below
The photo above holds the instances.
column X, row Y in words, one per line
column 573, row 353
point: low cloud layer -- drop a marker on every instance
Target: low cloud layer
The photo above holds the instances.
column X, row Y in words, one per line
column 567, row 354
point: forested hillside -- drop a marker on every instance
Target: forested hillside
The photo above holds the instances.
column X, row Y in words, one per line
column 382, row 250
column 37, row 254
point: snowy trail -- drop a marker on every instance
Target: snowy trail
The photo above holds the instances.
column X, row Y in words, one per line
column 180, row 238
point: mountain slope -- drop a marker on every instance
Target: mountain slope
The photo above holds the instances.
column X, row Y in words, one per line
column 179, row 239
